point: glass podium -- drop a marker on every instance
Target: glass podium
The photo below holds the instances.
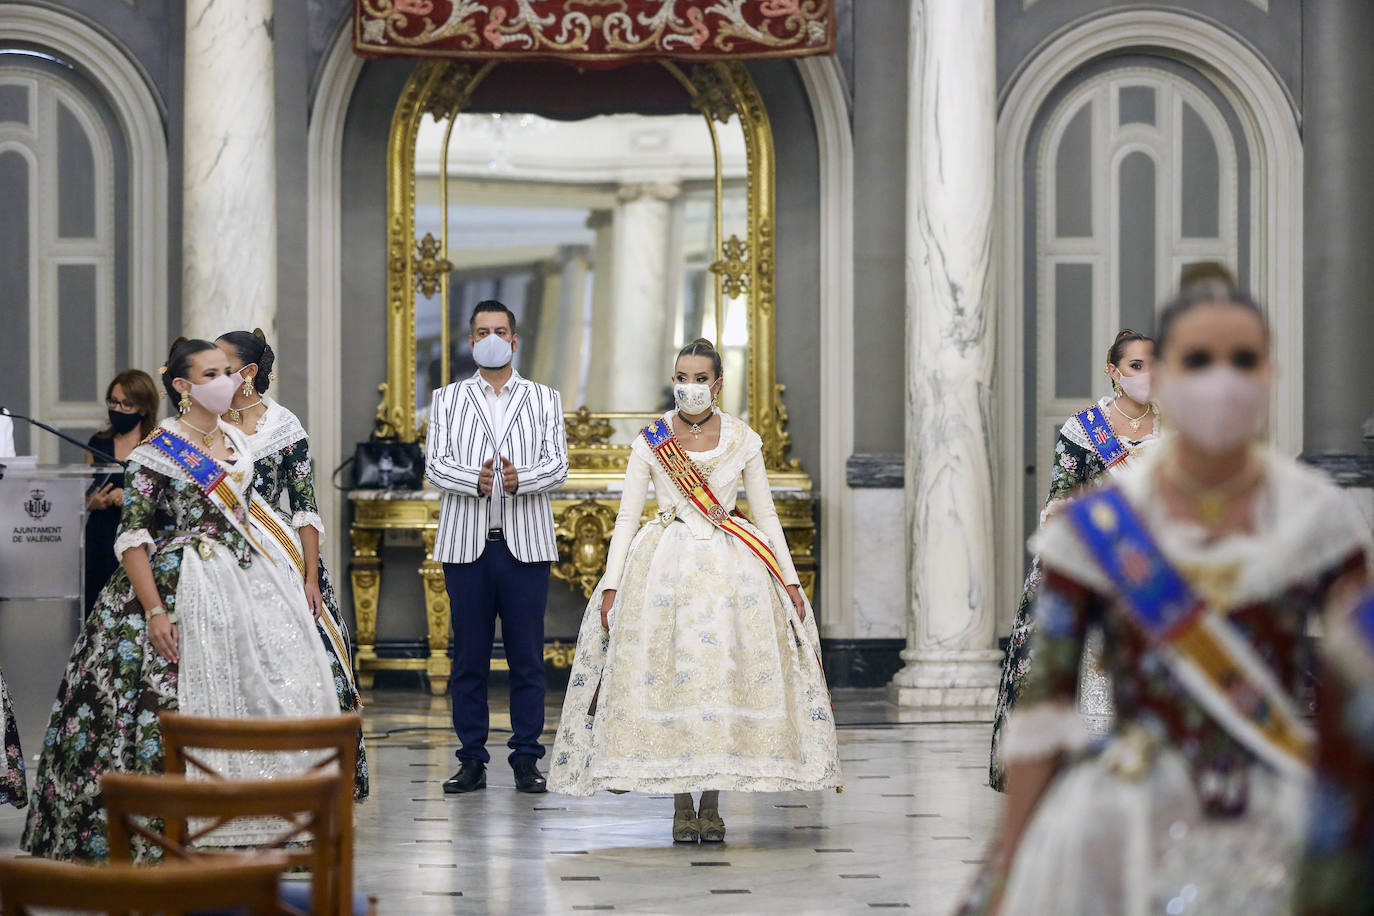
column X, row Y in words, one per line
column 42, row 572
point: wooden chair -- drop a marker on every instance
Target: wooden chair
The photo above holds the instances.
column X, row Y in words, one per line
column 307, row 804
column 338, row 734
column 244, row 883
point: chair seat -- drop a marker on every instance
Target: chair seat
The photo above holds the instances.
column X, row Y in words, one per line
column 295, row 893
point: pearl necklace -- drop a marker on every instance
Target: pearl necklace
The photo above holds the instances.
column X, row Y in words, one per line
column 1134, row 422
column 206, row 436
column 236, row 413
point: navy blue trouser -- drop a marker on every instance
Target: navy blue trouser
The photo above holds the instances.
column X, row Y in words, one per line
column 496, row 583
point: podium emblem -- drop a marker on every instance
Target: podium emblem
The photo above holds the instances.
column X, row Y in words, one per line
column 38, row 505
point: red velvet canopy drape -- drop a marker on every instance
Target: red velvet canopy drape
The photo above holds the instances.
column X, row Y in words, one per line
column 594, row 32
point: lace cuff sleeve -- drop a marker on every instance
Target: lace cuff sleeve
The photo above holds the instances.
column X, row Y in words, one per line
column 138, row 537
column 1042, row 730
column 305, row 518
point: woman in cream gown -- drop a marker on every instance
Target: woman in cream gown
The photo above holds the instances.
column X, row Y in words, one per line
column 206, row 616
column 708, row 677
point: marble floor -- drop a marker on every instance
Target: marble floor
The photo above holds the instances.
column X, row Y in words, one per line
column 906, row 833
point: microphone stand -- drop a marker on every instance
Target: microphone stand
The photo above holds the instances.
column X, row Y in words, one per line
column 104, row 458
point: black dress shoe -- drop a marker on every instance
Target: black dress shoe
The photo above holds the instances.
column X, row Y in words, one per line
column 471, row 775
column 528, row 778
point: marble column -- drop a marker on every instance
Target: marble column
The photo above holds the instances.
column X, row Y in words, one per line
column 950, row 656
column 639, row 328
column 541, row 366
column 599, row 379
column 229, row 192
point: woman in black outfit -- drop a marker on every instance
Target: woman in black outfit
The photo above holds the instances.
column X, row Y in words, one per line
column 131, row 400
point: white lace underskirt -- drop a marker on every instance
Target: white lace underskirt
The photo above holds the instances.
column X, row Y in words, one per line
column 1100, row 842
column 707, row 679
column 249, row 648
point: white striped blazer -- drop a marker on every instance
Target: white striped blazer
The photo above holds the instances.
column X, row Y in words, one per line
column 461, row 439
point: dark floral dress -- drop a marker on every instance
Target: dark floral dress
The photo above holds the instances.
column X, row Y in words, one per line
column 1076, row 464
column 105, row 715
column 12, row 790
column 1337, row 877
column 289, row 469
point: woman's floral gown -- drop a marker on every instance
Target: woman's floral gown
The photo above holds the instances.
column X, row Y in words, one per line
column 283, row 463
column 12, row 791
column 116, row 683
column 1076, row 464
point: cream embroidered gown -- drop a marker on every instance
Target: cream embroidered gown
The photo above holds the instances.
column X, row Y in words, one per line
column 707, row 678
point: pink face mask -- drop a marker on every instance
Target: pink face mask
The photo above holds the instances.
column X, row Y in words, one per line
column 1137, row 387
column 217, row 394
column 1216, row 409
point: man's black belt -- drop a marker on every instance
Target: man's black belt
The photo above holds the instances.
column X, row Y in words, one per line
column 495, row 534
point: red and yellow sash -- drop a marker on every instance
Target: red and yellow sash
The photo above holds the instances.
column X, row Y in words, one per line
column 682, row 471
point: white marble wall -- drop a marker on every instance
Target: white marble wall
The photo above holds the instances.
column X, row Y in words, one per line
column 229, row 192
column 950, row 659
column 878, row 594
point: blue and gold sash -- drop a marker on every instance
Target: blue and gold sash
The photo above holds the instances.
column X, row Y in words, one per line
column 1351, row 642
column 244, row 516
column 682, row 470
column 1108, row 446
column 1216, row 665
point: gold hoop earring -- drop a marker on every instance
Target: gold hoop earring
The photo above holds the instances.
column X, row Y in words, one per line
column 247, row 388
column 184, row 404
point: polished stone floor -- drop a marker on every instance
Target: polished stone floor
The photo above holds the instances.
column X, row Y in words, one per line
column 906, row 833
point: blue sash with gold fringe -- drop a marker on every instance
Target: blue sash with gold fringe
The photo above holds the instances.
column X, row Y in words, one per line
column 1215, row 664
column 1108, row 446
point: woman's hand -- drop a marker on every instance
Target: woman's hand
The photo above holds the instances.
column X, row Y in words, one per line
column 115, row 497
column 798, row 602
column 162, row 633
column 100, row 498
column 313, row 597
column 607, row 602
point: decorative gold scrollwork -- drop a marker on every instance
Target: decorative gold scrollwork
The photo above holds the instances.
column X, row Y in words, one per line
column 430, row 265
column 560, row 654
column 584, row 532
column 585, row 429
column 451, row 93
column 733, row 267
column 714, row 97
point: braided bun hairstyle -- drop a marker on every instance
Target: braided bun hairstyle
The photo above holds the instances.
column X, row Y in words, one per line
column 179, row 363
column 703, row 347
column 251, row 347
column 1117, row 351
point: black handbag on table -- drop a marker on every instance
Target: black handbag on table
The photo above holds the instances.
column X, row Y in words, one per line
column 388, row 464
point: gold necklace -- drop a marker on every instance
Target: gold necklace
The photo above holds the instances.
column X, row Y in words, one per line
column 236, row 413
column 206, row 436
column 1133, row 421
column 1212, row 502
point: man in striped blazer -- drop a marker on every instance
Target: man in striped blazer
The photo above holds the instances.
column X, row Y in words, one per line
column 496, row 448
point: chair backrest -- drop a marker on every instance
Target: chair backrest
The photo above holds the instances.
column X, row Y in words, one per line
column 181, row 735
column 307, row 804
column 248, row 883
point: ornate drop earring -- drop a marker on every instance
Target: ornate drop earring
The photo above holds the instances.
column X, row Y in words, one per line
column 185, row 403
column 247, row 389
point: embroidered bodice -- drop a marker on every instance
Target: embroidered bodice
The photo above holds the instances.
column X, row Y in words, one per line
column 282, row 463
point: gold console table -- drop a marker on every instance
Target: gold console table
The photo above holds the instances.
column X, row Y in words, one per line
column 584, row 520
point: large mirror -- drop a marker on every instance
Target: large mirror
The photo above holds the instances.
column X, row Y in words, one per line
column 619, row 214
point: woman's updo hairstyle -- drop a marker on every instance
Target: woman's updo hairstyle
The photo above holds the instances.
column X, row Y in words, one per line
column 703, row 347
column 1117, row 351
column 252, row 347
column 179, row 363
column 1212, row 290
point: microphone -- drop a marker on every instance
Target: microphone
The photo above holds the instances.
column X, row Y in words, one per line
column 104, row 458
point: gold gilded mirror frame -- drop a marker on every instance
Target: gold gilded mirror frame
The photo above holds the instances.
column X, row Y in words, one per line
column 719, row 90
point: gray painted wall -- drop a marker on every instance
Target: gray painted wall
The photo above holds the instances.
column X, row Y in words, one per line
column 880, row 125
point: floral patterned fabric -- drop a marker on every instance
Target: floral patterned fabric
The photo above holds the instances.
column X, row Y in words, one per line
column 105, row 715
column 706, row 679
column 12, row 788
column 1076, row 464
column 289, row 470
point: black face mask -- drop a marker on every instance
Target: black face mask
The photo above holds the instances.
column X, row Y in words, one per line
column 123, row 422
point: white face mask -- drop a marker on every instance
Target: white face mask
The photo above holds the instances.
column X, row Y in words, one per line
column 692, row 399
column 1136, row 387
column 1216, row 409
column 492, row 352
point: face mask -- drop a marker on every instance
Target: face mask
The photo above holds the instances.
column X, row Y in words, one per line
column 122, row 422
column 692, row 399
column 1137, row 387
column 1216, row 409
column 492, row 352
column 217, row 394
